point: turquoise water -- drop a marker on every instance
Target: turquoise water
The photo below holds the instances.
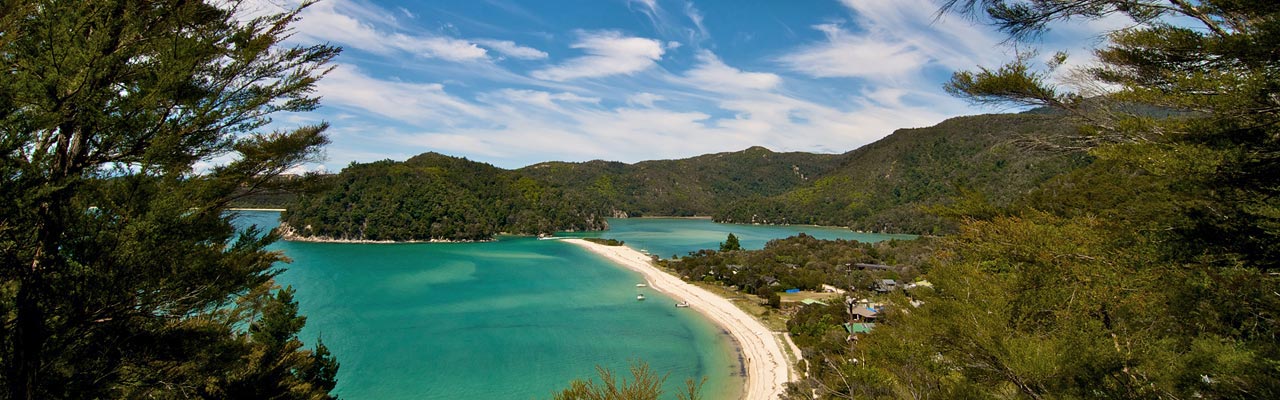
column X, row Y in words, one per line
column 665, row 237
column 513, row 319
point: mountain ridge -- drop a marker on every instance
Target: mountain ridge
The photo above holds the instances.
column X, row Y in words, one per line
column 896, row 184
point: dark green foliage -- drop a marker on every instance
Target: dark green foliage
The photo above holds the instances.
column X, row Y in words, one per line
column 122, row 275
column 730, row 243
column 606, row 242
column 893, row 184
column 1147, row 274
column 686, row 187
column 278, row 192
column 644, row 385
column 804, row 262
column 432, row 196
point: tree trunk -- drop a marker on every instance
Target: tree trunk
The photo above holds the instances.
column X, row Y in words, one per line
column 29, row 330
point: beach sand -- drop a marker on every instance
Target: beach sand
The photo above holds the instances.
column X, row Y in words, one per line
column 766, row 364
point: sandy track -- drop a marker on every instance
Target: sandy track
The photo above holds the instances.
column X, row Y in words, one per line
column 767, row 368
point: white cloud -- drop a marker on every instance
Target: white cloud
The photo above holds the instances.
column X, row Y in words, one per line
column 644, row 99
column 845, row 54
column 547, row 100
column 952, row 41
column 608, row 53
column 649, row 4
column 895, row 39
column 713, row 75
column 513, row 50
column 439, row 47
column 371, row 29
column 348, row 87
column 696, row 17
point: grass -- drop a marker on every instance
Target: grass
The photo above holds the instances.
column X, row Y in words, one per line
column 751, row 304
column 823, row 296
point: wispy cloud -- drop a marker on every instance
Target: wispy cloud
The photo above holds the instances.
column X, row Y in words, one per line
column 608, row 53
column 348, row 87
column 674, row 25
column 845, row 54
column 951, row 41
column 513, row 50
column 894, row 39
column 339, row 22
column 713, row 75
column 644, row 99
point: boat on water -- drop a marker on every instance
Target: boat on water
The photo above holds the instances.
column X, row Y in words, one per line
column 639, row 297
column 641, row 285
column 682, row 304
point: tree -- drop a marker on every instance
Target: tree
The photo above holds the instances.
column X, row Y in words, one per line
column 122, row 275
column 1157, row 285
column 730, row 243
column 644, row 385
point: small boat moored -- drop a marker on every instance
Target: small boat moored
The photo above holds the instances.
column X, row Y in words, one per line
column 682, row 304
column 641, row 285
column 639, row 297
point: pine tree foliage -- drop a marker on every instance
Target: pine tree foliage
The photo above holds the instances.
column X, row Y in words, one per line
column 730, row 243
column 643, row 385
column 122, row 275
column 1149, row 273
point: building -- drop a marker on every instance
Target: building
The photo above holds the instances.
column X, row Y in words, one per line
column 885, row 285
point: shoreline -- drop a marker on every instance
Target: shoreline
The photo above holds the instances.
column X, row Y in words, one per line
column 767, row 366
column 287, row 233
column 836, row 227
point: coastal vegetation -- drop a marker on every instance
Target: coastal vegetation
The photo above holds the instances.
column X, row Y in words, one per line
column 128, row 126
column 434, row 197
column 1148, row 273
column 806, row 263
column 606, row 242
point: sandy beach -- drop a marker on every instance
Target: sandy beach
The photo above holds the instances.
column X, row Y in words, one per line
column 766, row 364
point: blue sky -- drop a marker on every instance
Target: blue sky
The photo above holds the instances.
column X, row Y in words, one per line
column 514, row 83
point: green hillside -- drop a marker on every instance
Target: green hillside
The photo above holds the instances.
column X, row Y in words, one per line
column 433, row 196
column 894, row 184
column 685, row 187
column 891, row 184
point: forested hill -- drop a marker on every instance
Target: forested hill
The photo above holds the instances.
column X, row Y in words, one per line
column 685, row 187
column 893, row 184
column 433, row 196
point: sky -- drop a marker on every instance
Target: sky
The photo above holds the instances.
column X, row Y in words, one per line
column 513, row 83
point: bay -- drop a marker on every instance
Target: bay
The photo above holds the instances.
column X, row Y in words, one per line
column 512, row 319
column 667, row 237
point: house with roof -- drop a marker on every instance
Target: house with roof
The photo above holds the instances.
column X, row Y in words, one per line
column 884, row 285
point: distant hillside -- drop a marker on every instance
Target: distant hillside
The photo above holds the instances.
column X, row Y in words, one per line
column 685, row 187
column 895, row 184
column 432, row 196
column 890, row 184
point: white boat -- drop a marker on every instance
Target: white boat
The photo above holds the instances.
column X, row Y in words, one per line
column 682, row 304
column 639, row 297
column 641, row 285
